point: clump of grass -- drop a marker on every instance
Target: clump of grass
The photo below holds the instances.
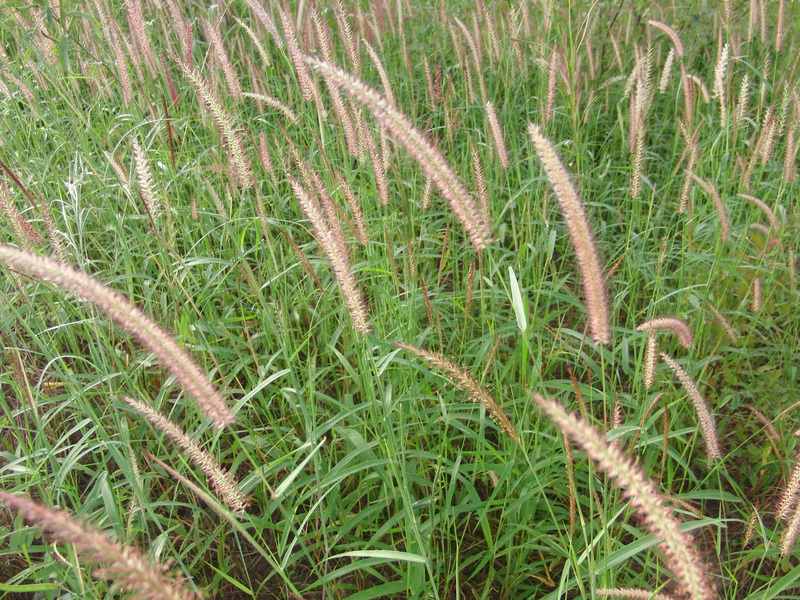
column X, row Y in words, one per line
column 355, row 488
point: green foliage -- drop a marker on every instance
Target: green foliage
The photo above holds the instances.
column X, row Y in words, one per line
column 368, row 475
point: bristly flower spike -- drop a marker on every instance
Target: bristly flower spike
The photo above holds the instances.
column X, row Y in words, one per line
column 679, row 548
column 465, row 380
column 676, row 326
column 429, row 158
column 130, row 318
column 221, row 480
column 582, row 239
column 708, row 424
column 127, row 567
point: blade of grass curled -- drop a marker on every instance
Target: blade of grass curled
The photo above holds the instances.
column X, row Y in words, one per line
column 133, row 320
column 679, row 547
column 430, row 159
column 581, row 234
column 127, row 567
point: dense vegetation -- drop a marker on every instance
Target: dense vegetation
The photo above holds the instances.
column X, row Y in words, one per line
column 312, row 271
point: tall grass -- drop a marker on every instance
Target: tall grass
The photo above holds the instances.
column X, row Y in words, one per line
column 305, row 214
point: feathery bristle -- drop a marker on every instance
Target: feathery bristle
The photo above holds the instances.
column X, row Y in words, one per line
column 582, row 239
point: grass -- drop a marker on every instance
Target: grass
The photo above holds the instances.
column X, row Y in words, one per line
column 210, row 181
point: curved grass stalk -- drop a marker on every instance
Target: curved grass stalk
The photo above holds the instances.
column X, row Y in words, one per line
column 429, row 158
column 133, row 320
column 679, row 548
column 127, row 567
column 708, row 424
column 582, row 240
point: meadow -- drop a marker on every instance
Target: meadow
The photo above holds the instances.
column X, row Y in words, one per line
column 394, row 299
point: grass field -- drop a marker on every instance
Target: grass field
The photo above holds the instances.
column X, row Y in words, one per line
column 399, row 299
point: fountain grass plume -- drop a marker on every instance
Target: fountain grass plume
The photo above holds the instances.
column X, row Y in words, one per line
column 676, row 326
column 789, row 536
column 231, row 135
column 221, row 480
column 708, row 188
column 430, row 159
column 497, row 135
column 650, row 360
column 287, row 112
column 331, row 238
column 788, row 496
column 217, row 45
column 671, row 33
column 765, row 208
column 144, row 175
column 127, row 568
column 582, row 239
column 682, row 555
column 632, row 594
column 708, row 424
column 24, row 232
column 266, row 20
column 464, row 380
column 130, row 318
